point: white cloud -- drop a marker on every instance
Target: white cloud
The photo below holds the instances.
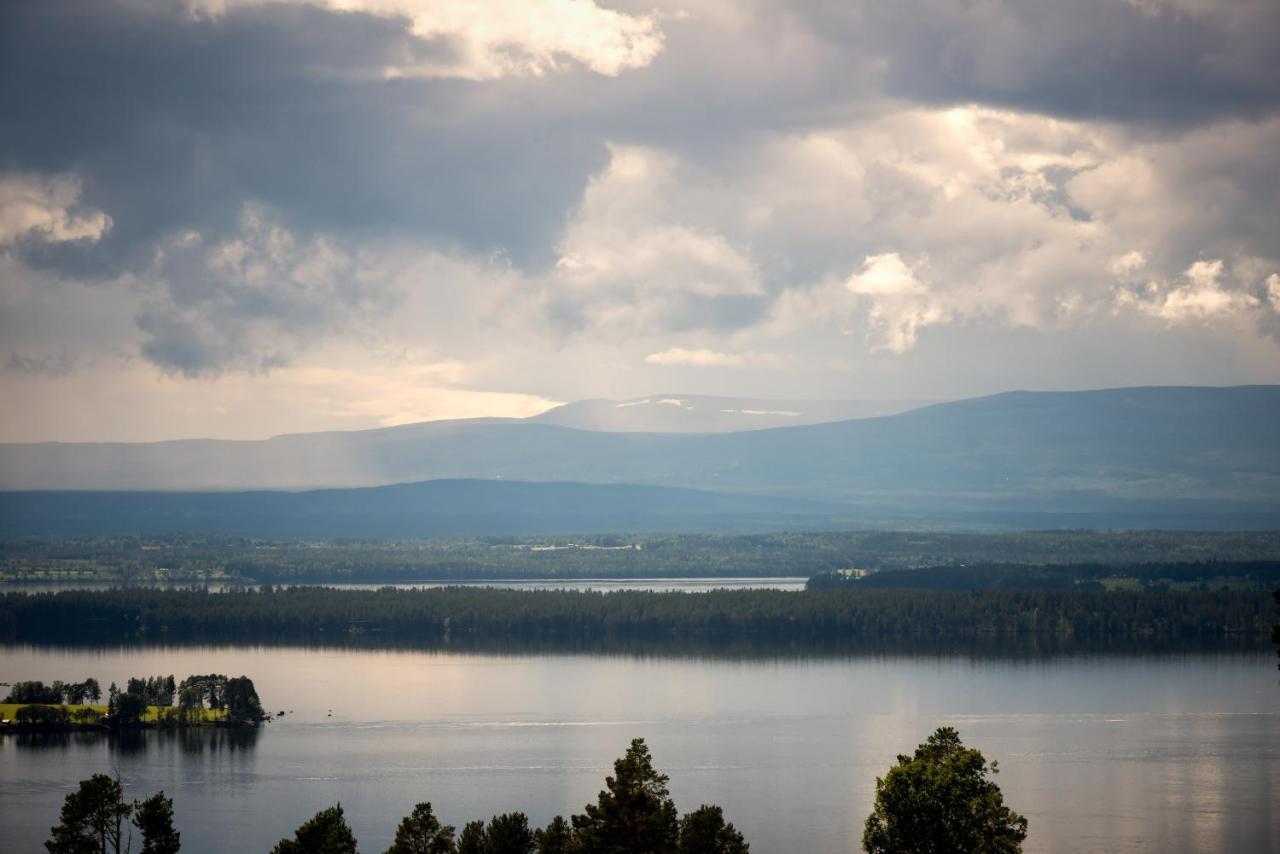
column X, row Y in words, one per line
column 979, row 193
column 1126, row 265
column 497, row 38
column 128, row 400
column 630, row 230
column 392, row 394
column 783, row 413
column 45, row 208
column 900, row 304
column 634, row 260
column 1025, row 221
column 708, row 358
column 885, row 276
column 1200, row 297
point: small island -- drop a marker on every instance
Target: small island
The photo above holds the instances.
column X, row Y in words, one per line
column 156, row 702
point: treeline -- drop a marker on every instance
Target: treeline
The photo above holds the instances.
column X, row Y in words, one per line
column 72, row 693
column 1156, row 575
column 196, row 558
column 941, row 799
column 634, row 814
column 465, row 614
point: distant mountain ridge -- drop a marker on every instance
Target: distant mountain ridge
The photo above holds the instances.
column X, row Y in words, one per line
column 435, row 508
column 1170, row 450
column 700, row 413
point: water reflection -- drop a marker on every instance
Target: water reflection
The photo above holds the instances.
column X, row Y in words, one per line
column 1019, row 647
column 1106, row 752
column 196, row 741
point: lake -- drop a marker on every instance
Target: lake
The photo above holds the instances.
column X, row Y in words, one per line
column 1176, row 753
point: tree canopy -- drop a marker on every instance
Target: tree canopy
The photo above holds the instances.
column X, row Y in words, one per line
column 1275, row 629
column 33, row 692
column 704, row 831
column 325, row 833
column 555, row 838
column 154, row 817
column 420, row 832
column 472, row 840
column 941, row 801
column 634, row 812
column 93, row 819
column 509, row 833
column 471, row 616
column 129, row 708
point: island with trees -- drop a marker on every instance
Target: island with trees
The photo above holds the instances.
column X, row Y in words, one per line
column 154, row 702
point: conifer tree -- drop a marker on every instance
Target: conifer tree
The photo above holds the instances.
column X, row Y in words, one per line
column 634, row 814
column 154, row 817
column 940, row 801
column 93, row 819
column 422, row 833
column 326, row 833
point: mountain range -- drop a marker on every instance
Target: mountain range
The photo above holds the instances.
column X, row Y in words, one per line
column 698, row 413
column 1197, row 454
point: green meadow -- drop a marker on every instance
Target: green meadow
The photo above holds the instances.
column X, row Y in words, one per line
column 153, row 714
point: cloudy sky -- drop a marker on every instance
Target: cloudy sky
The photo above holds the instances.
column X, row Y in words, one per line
column 238, row 218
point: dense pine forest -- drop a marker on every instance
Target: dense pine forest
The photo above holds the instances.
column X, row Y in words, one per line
column 463, row 616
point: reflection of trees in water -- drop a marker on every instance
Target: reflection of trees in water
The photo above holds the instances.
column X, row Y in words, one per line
column 1020, row 647
column 192, row 741
column 127, row 742
column 195, row 741
column 198, row 741
column 46, row 740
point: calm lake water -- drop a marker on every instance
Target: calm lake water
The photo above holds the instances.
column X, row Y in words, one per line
column 1130, row 754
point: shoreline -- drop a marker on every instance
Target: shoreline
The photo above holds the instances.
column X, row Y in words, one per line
column 14, row 728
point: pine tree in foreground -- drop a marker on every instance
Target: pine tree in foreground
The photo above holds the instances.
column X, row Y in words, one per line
column 940, row 801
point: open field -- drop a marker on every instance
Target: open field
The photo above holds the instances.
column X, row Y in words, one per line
column 9, row 710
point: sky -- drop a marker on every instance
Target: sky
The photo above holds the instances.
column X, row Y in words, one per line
column 235, row 218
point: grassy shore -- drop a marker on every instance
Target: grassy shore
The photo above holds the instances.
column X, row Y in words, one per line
column 10, row 711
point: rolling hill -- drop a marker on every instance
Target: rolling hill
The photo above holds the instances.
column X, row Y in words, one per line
column 435, row 508
column 1173, row 451
column 694, row 413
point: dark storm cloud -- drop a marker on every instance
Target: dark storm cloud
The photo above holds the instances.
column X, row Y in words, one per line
column 190, row 348
column 176, row 122
column 1145, row 61
column 1151, row 64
